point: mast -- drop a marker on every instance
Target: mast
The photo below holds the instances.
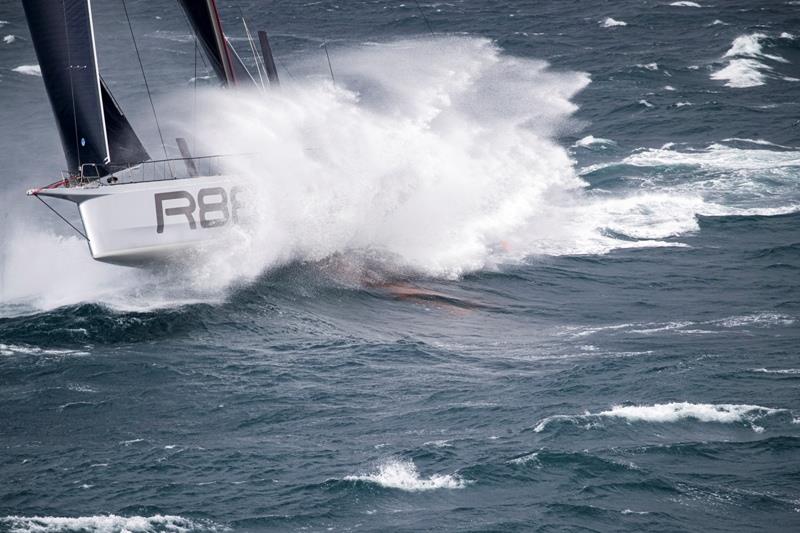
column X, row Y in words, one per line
column 222, row 44
column 206, row 23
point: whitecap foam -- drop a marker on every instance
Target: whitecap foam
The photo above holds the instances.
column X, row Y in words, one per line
column 742, row 73
column 760, row 142
column 403, row 475
column 673, row 412
column 745, row 68
column 784, row 371
column 716, row 156
column 756, row 319
column 591, row 141
column 103, row 524
column 685, row 3
column 20, row 349
column 645, row 103
column 438, row 443
column 787, row 35
column 648, row 66
column 609, row 22
column 677, row 411
column 526, row 459
column 751, row 46
column 28, row 70
column 8, row 39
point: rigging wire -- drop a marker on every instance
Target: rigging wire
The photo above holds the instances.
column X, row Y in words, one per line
column 256, row 57
column 425, row 18
column 330, row 66
column 61, row 217
column 146, row 85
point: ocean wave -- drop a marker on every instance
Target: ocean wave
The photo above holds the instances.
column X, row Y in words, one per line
column 689, row 327
column 590, row 141
column 685, row 3
column 783, row 371
column 742, row 73
column 28, row 70
column 403, row 475
column 729, row 178
column 8, row 39
column 714, row 157
column 22, row 349
column 609, row 22
column 105, row 524
column 672, row 412
column 745, row 66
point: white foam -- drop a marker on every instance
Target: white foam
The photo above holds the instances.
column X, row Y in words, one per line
column 786, row 35
column 8, row 39
column 751, row 46
column 716, row 156
column 785, row 371
column 403, row 475
column 683, row 104
column 677, row 411
column 18, row 349
column 591, row 141
column 438, row 443
column 756, row 319
column 673, row 412
column 28, row 70
column 742, row 73
column 744, row 68
column 648, row 66
column 3, row 23
column 645, row 103
column 102, row 524
column 609, row 22
column 761, row 142
column 685, row 4
column 718, row 22
column 669, row 88
column 732, row 181
column 525, row 459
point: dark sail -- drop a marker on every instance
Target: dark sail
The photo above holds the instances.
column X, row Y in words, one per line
column 204, row 19
column 93, row 129
column 123, row 144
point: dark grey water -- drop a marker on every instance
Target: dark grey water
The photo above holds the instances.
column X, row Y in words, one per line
column 487, row 295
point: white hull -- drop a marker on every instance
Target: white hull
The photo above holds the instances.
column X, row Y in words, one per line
column 137, row 224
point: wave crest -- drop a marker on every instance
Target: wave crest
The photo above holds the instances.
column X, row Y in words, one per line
column 403, row 475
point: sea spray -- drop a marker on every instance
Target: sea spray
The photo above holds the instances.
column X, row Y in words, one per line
column 431, row 164
column 434, row 157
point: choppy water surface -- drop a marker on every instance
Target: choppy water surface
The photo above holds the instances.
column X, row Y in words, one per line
column 532, row 268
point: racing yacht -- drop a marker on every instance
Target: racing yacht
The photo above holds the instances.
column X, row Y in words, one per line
column 135, row 210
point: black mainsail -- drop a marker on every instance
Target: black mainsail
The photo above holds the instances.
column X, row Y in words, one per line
column 204, row 19
column 93, row 129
